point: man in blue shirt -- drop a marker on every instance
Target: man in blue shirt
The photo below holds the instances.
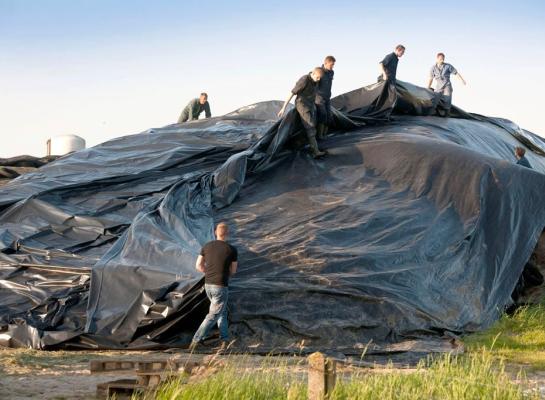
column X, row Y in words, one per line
column 521, row 158
column 388, row 66
column 440, row 72
column 323, row 98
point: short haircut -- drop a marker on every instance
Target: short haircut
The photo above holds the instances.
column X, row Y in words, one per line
column 520, row 151
column 222, row 229
column 400, row 47
column 440, row 55
column 330, row 59
column 319, row 71
column 204, row 94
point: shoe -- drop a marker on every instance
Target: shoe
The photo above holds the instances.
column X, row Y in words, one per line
column 320, row 131
column 224, row 345
column 319, row 154
column 316, row 152
column 194, row 345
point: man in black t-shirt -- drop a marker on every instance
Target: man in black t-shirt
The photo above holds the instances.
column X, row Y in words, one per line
column 388, row 66
column 218, row 261
column 305, row 90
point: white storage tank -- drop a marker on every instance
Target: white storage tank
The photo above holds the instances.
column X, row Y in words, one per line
column 64, row 144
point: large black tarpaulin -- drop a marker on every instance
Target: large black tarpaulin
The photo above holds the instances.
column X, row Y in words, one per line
column 413, row 225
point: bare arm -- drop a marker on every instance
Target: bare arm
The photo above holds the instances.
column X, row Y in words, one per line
column 233, row 268
column 383, row 71
column 461, row 78
column 199, row 265
column 281, row 112
column 430, row 81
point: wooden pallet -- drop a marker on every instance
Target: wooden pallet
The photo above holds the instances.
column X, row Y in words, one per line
column 149, row 374
column 109, row 366
column 121, row 388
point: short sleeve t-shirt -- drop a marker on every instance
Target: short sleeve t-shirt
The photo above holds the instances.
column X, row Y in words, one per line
column 305, row 89
column 442, row 75
column 390, row 65
column 524, row 162
column 218, row 256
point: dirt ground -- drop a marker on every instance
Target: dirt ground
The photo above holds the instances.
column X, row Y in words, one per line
column 27, row 374
column 32, row 374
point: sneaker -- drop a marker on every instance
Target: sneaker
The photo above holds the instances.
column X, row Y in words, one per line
column 319, row 154
column 224, row 345
column 194, row 345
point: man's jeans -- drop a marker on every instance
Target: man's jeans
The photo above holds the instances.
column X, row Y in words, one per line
column 444, row 95
column 217, row 313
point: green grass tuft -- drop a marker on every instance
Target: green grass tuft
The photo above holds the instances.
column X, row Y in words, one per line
column 519, row 338
column 474, row 376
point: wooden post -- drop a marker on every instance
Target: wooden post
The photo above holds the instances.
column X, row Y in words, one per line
column 321, row 376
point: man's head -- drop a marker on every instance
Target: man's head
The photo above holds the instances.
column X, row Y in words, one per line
column 317, row 74
column 440, row 59
column 519, row 152
column 329, row 62
column 222, row 231
column 203, row 98
column 399, row 50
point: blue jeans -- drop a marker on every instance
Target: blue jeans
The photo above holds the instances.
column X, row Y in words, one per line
column 217, row 313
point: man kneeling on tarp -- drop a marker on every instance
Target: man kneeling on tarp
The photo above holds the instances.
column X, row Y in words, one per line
column 218, row 261
column 194, row 108
column 305, row 90
column 521, row 158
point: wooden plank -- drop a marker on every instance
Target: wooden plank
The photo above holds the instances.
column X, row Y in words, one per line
column 119, row 388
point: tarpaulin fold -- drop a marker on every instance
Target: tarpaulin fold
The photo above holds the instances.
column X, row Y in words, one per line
column 413, row 225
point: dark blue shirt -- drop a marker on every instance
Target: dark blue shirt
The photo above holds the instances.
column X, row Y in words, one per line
column 323, row 94
column 524, row 162
column 390, row 65
column 305, row 90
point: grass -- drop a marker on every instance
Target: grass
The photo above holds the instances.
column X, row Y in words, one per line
column 486, row 371
column 479, row 374
column 473, row 376
column 519, row 338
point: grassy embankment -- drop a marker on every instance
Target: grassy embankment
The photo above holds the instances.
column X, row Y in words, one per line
column 516, row 341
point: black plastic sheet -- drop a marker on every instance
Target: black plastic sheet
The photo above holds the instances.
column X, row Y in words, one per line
column 413, row 226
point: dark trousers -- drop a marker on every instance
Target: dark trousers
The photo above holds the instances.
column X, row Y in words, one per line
column 445, row 97
column 323, row 112
column 307, row 112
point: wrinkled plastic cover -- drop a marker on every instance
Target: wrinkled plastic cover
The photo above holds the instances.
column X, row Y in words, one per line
column 411, row 227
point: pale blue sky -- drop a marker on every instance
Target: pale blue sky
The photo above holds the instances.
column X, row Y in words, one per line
column 102, row 69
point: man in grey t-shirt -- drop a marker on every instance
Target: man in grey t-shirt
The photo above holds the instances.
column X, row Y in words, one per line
column 440, row 72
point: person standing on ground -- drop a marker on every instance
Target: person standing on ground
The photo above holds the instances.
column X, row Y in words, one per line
column 323, row 98
column 218, row 261
column 441, row 72
column 305, row 90
column 194, row 108
column 521, row 158
column 388, row 66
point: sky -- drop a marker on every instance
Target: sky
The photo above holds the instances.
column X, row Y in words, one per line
column 103, row 69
